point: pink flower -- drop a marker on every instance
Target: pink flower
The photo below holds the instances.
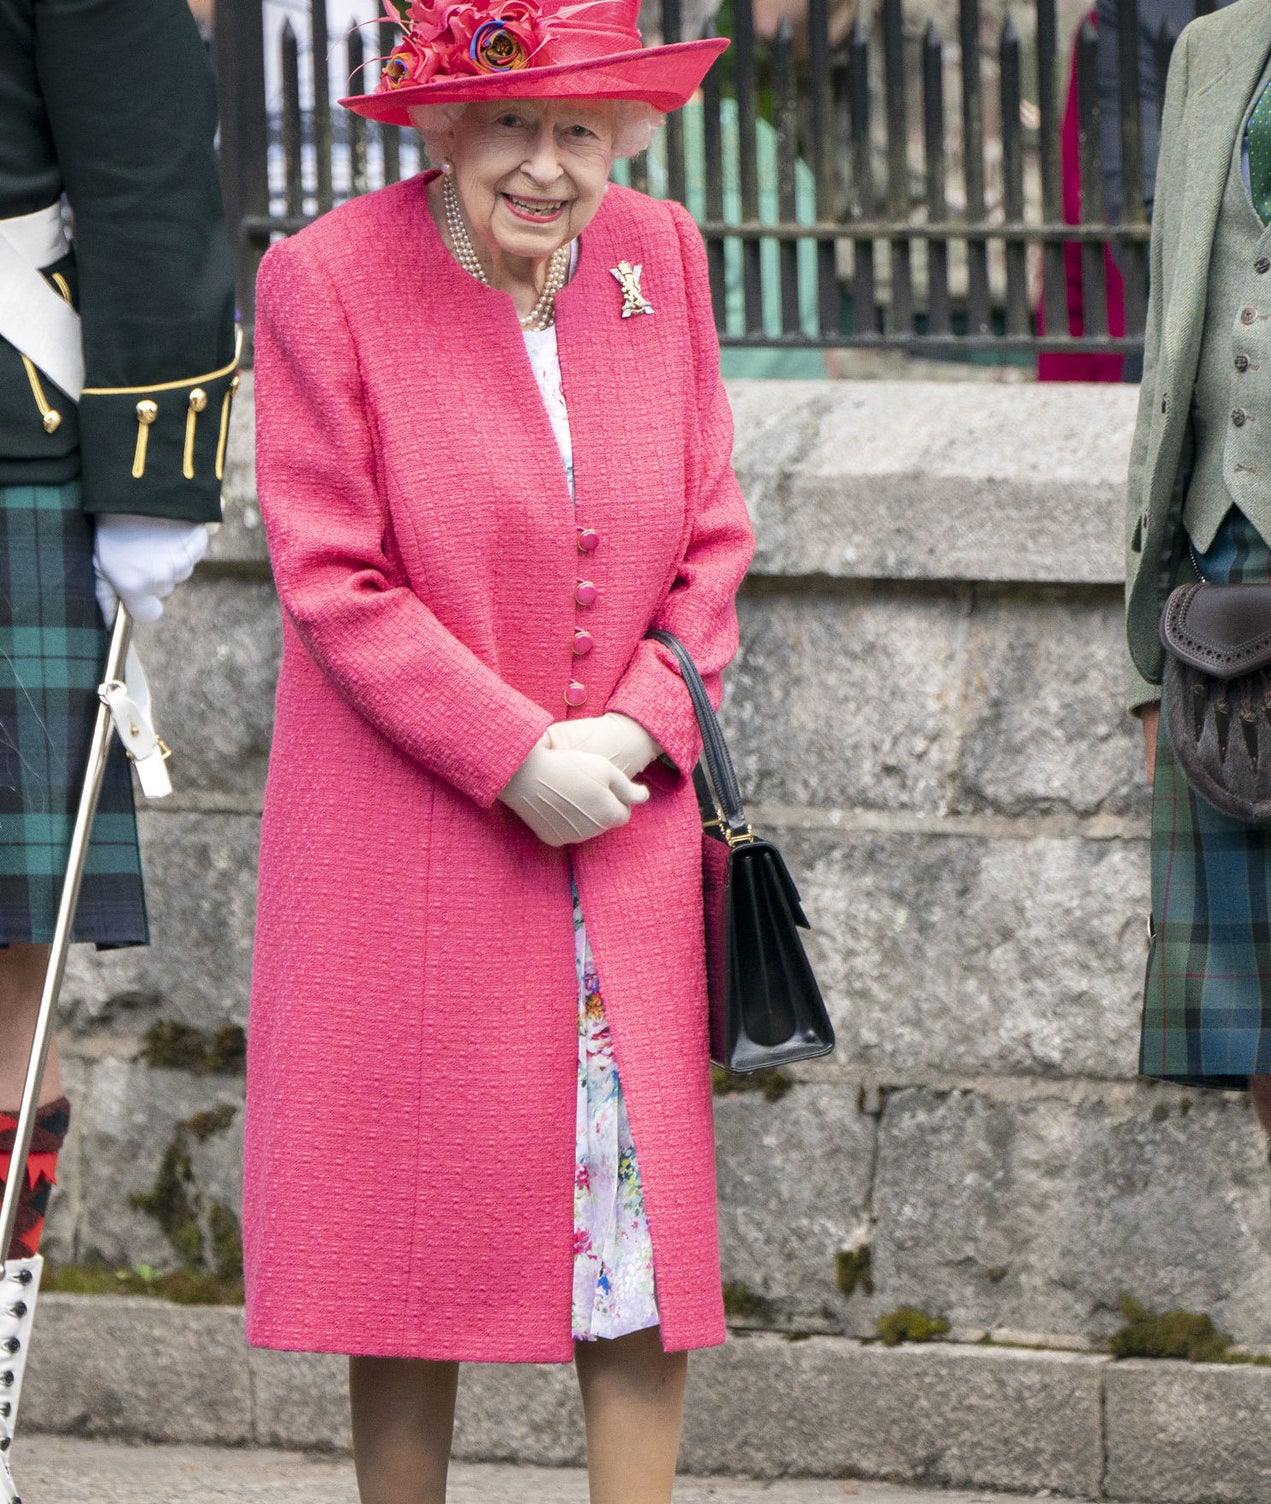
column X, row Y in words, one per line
column 450, row 40
column 582, row 1241
column 406, row 65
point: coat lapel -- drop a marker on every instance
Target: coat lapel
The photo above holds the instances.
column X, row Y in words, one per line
column 1212, row 118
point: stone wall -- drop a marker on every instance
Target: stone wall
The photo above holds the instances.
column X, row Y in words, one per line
column 927, row 715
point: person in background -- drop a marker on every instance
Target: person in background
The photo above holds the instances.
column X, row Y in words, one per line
column 1199, row 507
column 107, row 112
column 1156, row 19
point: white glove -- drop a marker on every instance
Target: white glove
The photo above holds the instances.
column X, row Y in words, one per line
column 626, row 744
column 141, row 561
column 565, row 796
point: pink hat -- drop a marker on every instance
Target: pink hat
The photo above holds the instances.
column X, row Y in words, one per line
column 469, row 50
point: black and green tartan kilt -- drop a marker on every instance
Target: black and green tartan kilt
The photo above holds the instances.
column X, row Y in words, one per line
column 1207, row 998
column 52, row 649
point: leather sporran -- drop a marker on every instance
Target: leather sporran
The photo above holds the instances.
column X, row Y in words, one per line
column 1217, row 684
column 765, row 1006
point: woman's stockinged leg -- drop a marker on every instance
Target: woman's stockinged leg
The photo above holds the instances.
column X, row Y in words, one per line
column 633, row 1400
column 21, row 982
column 403, row 1419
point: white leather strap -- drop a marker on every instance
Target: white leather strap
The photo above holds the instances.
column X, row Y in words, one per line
column 129, row 704
column 40, row 238
column 33, row 316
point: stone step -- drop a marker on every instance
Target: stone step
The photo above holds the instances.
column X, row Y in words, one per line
column 763, row 1407
column 62, row 1470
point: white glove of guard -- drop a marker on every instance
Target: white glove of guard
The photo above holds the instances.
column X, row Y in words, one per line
column 141, row 561
column 624, row 742
column 566, row 797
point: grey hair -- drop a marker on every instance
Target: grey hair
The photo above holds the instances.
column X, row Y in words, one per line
column 634, row 126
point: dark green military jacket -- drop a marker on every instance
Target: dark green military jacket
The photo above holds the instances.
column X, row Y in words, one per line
column 112, row 104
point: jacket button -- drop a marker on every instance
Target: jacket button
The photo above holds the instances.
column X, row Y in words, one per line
column 576, row 693
column 588, row 540
column 1248, row 315
column 583, row 643
column 1239, row 417
column 1262, row 264
column 586, row 594
column 1242, row 362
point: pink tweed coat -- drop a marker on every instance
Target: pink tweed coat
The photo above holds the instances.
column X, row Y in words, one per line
column 413, row 1047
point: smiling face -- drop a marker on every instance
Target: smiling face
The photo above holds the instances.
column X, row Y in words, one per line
column 531, row 172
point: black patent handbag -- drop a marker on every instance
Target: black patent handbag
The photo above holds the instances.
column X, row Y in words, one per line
column 765, row 1006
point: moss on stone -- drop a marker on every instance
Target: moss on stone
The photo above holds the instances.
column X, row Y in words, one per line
column 170, row 1201
column 853, row 1269
column 226, row 1237
column 227, row 1054
column 184, row 1286
column 773, row 1084
column 206, row 1238
column 909, row 1324
column 1173, row 1334
column 169, row 1045
column 216, row 1120
column 741, row 1300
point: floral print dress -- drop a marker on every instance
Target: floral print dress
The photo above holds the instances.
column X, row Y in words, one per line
column 613, row 1252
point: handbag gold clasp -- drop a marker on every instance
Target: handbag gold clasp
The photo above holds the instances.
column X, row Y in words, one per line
column 719, row 824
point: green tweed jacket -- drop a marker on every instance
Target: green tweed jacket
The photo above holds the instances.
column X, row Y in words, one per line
column 1215, row 68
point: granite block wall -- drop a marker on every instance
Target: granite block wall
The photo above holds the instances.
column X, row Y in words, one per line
column 926, row 714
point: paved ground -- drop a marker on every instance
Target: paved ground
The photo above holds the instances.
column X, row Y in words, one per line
column 58, row 1470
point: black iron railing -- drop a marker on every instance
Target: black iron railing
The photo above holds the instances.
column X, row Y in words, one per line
column 897, row 190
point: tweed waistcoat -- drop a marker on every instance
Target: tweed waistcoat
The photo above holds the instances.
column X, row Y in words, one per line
column 1231, row 405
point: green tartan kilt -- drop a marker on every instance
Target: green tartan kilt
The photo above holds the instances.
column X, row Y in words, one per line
column 52, row 649
column 1207, row 997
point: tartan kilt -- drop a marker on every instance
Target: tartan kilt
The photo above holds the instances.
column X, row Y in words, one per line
column 52, row 650
column 1207, row 997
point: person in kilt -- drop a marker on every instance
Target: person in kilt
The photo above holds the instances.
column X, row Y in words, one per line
column 107, row 118
column 1200, row 507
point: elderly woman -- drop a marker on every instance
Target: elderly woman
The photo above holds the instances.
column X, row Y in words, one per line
column 493, row 455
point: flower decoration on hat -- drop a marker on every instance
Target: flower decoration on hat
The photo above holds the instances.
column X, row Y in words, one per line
column 496, row 48
column 462, row 38
column 460, row 51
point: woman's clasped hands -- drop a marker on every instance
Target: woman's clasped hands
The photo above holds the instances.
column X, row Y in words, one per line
column 577, row 781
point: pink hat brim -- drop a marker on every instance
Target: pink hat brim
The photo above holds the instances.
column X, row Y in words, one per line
column 665, row 77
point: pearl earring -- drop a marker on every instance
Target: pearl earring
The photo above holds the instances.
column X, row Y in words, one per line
column 447, row 167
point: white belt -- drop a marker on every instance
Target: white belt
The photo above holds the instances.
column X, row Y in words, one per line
column 39, row 237
column 33, row 317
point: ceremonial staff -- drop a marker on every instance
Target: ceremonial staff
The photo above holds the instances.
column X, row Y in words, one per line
column 124, row 710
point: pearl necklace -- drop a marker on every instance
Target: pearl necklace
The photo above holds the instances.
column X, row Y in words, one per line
column 543, row 313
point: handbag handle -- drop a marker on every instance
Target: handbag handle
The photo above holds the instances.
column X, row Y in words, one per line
column 725, row 791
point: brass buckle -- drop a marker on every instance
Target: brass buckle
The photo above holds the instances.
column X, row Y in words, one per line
column 734, row 840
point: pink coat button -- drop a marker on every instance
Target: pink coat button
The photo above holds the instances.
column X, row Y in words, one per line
column 576, row 694
column 588, row 540
column 583, row 643
column 586, row 594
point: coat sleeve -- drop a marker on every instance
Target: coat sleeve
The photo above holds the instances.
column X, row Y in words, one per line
column 699, row 607
column 328, row 528
column 131, row 106
column 1141, row 691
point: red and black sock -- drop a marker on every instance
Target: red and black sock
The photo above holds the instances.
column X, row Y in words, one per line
column 51, row 1122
